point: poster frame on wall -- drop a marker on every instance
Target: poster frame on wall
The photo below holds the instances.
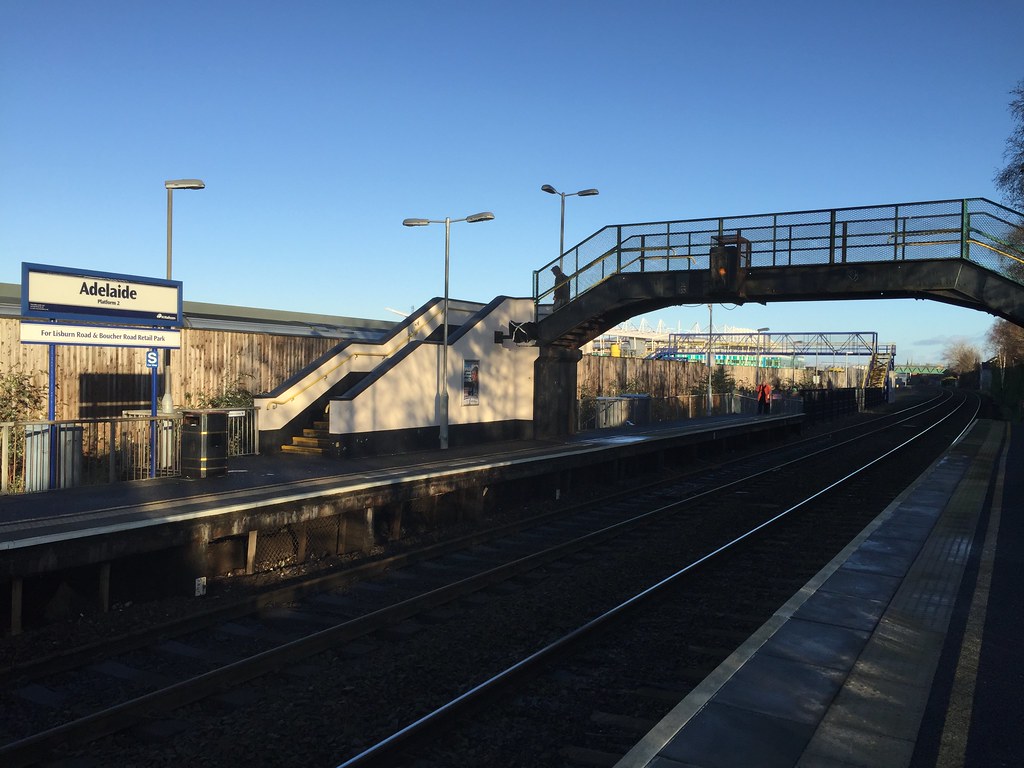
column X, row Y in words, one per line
column 471, row 382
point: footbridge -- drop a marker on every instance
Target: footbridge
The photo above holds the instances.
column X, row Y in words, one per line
column 967, row 252
column 511, row 363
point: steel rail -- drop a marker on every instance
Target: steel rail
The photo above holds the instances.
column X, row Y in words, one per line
column 120, row 716
column 308, row 585
column 417, row 728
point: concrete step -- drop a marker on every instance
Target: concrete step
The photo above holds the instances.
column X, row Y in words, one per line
column 311, row 442
column 305, row 450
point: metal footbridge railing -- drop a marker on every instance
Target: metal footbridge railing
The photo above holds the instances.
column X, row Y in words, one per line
column 974, row 229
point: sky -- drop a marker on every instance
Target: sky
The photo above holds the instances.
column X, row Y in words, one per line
column 318, row 126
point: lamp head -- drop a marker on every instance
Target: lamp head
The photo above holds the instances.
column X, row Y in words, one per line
column 588, row 192
column 549, row 189
column 485, row 216
column 185, row 184
column 415, row 222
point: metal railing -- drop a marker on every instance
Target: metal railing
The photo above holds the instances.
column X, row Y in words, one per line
column 974, row 228
column 48, row 455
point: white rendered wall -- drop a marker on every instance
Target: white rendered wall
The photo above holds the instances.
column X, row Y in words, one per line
column 278, row 411
column 408, row 396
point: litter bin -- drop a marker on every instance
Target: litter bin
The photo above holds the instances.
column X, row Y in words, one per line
column 204, row 443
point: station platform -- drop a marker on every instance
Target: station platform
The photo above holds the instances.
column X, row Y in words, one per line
column 903, row 651
column 258, row 481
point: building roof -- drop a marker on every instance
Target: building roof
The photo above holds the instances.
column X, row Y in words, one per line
column 225, row 317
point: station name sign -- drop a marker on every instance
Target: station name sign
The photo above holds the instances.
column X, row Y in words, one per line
column 61, row 293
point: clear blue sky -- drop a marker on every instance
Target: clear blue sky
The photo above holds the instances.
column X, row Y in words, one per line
column 319, row 126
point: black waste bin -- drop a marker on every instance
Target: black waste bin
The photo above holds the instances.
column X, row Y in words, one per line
column 204, row 443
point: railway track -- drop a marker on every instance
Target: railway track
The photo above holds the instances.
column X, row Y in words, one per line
column 375, row 655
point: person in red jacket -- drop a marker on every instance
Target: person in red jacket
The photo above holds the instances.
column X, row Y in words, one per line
column 764, row 398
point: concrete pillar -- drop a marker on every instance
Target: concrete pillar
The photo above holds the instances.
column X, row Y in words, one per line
column 356, row 531
column 250, row 553
column 365, row 540
column 554, row 392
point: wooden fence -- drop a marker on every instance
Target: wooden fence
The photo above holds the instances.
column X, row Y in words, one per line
column 610, row 376
column 101, row 382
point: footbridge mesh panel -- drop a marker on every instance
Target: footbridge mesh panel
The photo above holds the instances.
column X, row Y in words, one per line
column 975, row 229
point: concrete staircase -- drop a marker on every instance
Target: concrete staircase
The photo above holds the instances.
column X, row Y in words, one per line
column 315, row 441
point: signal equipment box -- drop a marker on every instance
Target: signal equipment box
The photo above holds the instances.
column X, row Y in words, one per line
column 730, row 260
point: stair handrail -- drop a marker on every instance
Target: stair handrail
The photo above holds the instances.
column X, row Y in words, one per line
column 279, row 401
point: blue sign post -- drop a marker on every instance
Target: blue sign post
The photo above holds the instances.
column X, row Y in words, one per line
column 51, row 413
column 152, row 362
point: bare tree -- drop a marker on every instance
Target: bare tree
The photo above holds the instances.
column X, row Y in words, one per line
column 961, row 357
column 1007, row 342
column 1010, row 180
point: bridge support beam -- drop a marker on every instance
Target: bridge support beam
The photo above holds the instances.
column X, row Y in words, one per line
column 554, row 392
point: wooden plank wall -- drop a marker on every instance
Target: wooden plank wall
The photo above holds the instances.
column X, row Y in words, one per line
column 610, row 376
column 97, row 382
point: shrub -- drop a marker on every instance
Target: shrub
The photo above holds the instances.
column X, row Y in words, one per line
column 20, row 399
column 234, row 395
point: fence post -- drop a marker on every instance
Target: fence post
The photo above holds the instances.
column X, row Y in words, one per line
column 965, row 226
column 896, row 233
column 832, row 237
column 112, row 451
column 6, row 460
column 618, row 249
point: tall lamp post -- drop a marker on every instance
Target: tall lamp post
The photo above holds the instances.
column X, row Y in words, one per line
column 760, row 342
column 561, row 230
column 485, row 216
column 167, row 403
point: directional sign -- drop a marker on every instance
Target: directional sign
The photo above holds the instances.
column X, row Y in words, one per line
column 99, row 335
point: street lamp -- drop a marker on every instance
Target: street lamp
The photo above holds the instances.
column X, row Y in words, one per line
column 167, row 403
column 561, row 230
column 711, row 361
column 485, row 216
